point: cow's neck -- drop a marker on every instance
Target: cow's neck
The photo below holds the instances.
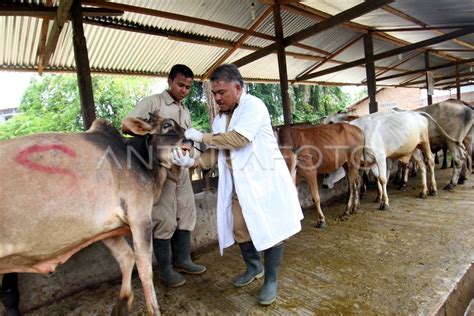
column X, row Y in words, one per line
column 156, row 172
column 146, row 159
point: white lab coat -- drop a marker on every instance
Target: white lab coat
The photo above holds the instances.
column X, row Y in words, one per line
column 263, row 184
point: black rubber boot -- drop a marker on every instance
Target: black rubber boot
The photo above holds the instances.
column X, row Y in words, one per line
column 253, row 262
column 181, row 245
column 162, row 249
column 269, row 290
column 10, row 294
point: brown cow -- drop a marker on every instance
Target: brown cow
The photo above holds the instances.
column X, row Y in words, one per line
column 323, row 149
column 64, row 191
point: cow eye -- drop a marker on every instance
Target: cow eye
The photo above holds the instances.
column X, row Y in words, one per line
column 167, row 125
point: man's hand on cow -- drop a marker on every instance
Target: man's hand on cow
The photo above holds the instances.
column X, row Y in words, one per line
column 194, row 135
column 181, row 158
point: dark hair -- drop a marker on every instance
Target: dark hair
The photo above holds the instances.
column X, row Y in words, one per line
column 180, row 69
column 227, row 73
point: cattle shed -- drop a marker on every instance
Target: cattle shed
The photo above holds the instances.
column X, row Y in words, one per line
column 414, row 259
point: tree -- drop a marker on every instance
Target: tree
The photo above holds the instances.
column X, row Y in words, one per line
column 271, row 96
column 197, row 106
column 311, row 103
column 53, row 104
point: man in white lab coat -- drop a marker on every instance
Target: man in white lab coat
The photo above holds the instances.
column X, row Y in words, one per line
column 257, row 202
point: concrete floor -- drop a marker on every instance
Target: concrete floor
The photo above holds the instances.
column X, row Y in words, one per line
column 404, row 261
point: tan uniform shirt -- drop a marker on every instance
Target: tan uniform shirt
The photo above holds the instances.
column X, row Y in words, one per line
column 176, row 208
column 227, row 141
column 166, row 107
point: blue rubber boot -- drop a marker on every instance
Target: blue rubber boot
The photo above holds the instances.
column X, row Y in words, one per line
column 253, row 263
column 181, row 245
column 269, row 290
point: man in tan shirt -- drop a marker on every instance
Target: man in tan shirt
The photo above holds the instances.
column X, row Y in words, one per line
column 174, row 216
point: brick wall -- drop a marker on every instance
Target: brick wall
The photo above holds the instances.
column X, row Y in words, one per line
column 387, row 98
column 403, row 98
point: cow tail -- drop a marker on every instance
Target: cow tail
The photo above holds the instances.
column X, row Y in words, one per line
column 293, row 163
column 443, row 131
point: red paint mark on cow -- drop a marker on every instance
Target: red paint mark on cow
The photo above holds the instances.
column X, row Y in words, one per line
column 23, row 158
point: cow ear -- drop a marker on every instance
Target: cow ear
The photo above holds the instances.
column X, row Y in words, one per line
column 351, row 118
column 135, row 126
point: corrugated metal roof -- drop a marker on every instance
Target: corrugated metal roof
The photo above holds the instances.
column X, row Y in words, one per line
column 133, row 51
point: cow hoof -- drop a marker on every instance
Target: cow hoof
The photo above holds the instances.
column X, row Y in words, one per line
column 121, row 308
column 384, row 207
column 462, row 180
column 402, row 186
column 433, row 193
column 320, row 225
column 344, row 217
column 422, row 195
column 449, row 187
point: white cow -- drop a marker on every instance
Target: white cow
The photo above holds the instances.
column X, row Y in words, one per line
column 394, row 135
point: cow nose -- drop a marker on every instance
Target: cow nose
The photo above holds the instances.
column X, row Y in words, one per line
column 188, row 142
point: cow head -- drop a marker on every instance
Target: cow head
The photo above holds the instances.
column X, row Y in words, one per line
column 338, row 118
column 162, row 134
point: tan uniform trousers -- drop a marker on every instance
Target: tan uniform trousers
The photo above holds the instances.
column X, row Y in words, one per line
column 176, row 208
column 240, row 231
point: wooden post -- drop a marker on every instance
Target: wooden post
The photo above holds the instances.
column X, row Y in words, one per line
column 285, row 97
column 458, row 85
column 370, row 72
column 82, row 66
column 429, row 81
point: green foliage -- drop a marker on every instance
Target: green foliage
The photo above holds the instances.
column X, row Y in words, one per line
column 362, row 94
column 53, row 104
column 311, row 103
column 271, row 96
column 197, row 106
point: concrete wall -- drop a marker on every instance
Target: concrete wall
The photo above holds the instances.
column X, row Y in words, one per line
column 94, row 264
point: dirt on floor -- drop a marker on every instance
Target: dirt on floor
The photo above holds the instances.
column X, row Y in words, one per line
column 402, row 261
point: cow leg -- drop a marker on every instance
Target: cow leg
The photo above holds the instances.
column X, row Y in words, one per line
column 206, row 175
column 375, row 172
column 424, row 188
column 363, row 183
column 379, row 170
column 462, row 174
column 445, row 158
column 403, row 178
column 122, row 252
column 357, row 193
column 312, row 181
column 457, row 159
column 353, row 202
column 399, row 174
column 350, row 200
column 467, row 142
column 141, row 228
